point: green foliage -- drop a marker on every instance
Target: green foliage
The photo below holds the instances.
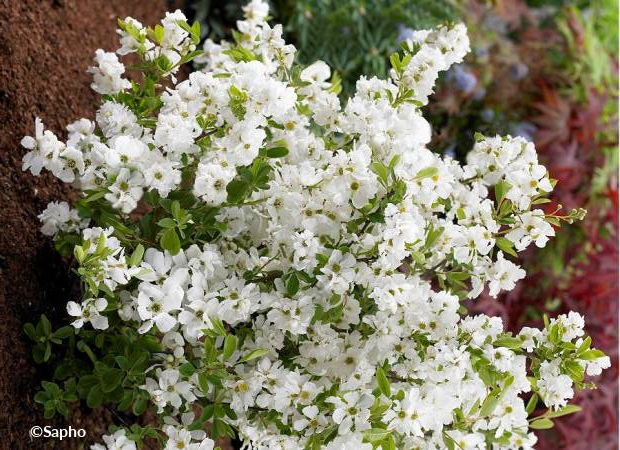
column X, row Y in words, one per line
column 591, row 36
column 54, row 399
column 99, row 369
column 357, row 37
column 43, row 338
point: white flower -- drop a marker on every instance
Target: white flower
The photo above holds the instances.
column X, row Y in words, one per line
column 572, row 324
column 351, row 411
column 339, row 272
column 349, row 441
column 89, row 311
column 58, row 216
column 256, row 11
column 107, row 75
column 554, row 388
column 182, row 438
column 531, row 228
column 403, row 416
column 468, row 441
column 317, row 74
column 596, row 366
column 45, row 150
column 116, row 119
column 312, row 419
column 116, row 441
column 128, row 43
column 530, row 337
column 168, row 390
column 163, row 176
column 126, row 190
column 155, row 305
column 211, row 181
column 503, row 275
column 126, row 151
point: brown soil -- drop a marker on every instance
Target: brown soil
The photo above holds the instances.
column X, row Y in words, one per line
column 45, row 49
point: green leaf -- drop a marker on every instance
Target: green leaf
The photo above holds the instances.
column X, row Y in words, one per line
column 218, row 327
column 508, row 342
column 139, row 406
column 157, row 34
column 46, row 325
column 64, row 332
column 203, row 382
column 51, row 388
column 375, row 434
column 426, row 173
column 382, row 381
column 170, row 241
column 62, row 408
column 490, row 403
column 95, row 397
column 187, row 369
column 110, row 379
column 49, row 409
column 531, row 404
column 564, row 411
column 505, row 245
column 30, row 331
column 292, row 285
column 585, row 345
column 574, row 370
column 314, row 443
column 41, row 397
column 395, row 61
column 274, row 152
column 96, row 195
column 175, row 209
column 381, row 171
column 125, row 401
column 432, row 236
column 556, row 331
column 166, row 222
column 389, row 443
column 195, row 32
column 230, row 345
column 254, row 354
column 48, row 351
column 541, row 424
column 501, row 188
column 591, row 355
column 136, row 256
column 237, row 190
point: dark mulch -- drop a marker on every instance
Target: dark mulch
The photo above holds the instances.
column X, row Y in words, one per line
column 45, row 49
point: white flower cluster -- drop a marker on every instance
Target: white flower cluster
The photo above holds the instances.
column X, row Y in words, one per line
column 60, row 217
column 343, row 248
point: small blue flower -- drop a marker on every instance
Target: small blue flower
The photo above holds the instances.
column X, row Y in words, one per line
column 463, row 79
column 404, row 33
column 524, row 129
column 487, row 114
column 518, row 71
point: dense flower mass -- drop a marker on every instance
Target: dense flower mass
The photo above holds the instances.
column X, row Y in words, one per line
column 300, row 262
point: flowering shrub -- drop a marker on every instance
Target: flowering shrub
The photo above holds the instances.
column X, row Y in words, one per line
column 257, row 256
